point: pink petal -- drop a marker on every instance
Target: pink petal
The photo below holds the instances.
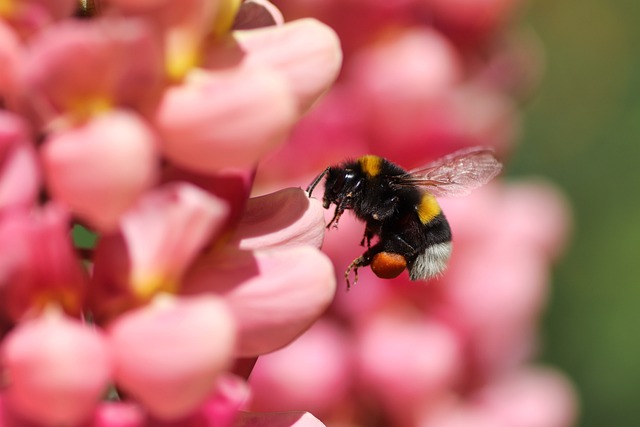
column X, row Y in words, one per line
column 278, row 419
column 158, row 240
column 536, row 212
column 169, row 354
column 38, row 263
column 119, row 414
column 85, row 67
column 225, row 119
column 10, row 57
column 230, row 395
column 314, row 372
column 100, row 168
column 19, row 170
column 458, row 414
column 29, row 17
column 306, row 52
column 58, row 369
column 284, row 218
column 533, row 397
column 167, row 229
column 407, row 358
column 274, row 294
column 231, row 185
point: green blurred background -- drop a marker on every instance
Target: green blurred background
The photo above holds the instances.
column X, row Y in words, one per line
column 583, row 132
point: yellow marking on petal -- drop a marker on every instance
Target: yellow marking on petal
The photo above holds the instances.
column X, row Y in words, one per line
column 84, row 108
column 63, row 298
column 428, row 208
column 370, row 165
column 223, row 21
column 149, row 286
column 182, row 53
column 8, row 8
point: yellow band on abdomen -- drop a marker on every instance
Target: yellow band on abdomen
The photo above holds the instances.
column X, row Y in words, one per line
column 428, row 208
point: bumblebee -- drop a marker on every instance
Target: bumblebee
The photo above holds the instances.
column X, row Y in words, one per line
column 400, row 209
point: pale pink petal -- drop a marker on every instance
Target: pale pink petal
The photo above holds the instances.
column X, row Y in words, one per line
column 100, row 168
column 306, row 52
column 169, row 354
column 277, row 419
column 496, row 296
column 314, row 372
column 86, row 67
column 532, row 397
column 57, row 369
column 284, row 218
column 166, row 230
column 274, row 294
column 19, row 170
column 256, row 14
column 536, row 212
column 225, row 119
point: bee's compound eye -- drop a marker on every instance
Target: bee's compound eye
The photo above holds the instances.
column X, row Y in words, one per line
column 387, row 265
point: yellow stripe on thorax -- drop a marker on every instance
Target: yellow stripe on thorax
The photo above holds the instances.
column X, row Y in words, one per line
column 370, row 165
column 428, row 208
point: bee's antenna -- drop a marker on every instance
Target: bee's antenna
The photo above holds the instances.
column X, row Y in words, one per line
column 316, row 181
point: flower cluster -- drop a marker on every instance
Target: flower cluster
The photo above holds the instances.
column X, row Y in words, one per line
column 422, row 78
column 137, row 125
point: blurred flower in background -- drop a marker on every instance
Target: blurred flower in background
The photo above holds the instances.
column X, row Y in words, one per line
column 422, row 78
column 138, row 124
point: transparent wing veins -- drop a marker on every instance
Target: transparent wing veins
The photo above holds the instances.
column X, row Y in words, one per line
column 456, row 174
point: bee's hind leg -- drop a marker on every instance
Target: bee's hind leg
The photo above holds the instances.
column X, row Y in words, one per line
column 362, row 261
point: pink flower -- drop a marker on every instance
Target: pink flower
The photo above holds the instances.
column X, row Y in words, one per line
column 122, row 128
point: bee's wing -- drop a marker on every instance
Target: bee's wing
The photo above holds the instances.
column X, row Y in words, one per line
column 456, row 174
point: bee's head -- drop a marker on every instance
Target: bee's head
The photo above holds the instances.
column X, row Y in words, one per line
column 341, row 186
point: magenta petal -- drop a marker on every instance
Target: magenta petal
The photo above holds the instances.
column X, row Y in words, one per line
column 274, row 294
column 225, row 119
column 100, row 168
column 57, row 368
column 285, row 218
column 119, row 414
column 277, row 419
column 19, row 169
column 39, row 264
column 230, row 395
column 169, row 354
